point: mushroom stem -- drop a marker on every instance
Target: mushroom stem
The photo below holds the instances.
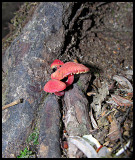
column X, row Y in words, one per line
column 69, row 80
column 59, row 93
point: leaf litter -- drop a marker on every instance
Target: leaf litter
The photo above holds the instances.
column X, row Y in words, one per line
column 110, row 114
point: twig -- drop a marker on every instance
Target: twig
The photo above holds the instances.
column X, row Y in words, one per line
column 113, row 110
column 12, row 104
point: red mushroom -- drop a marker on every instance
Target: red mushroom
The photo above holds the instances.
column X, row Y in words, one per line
column 55, row 86
column 69, row 68
column 63, row 70
column 57, row 64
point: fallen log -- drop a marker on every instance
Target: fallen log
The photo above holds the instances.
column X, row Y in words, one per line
column 77, row 122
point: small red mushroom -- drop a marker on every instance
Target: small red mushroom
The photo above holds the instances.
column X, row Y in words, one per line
column 55, row 86
column 57, row 64
column 69, row 68
column 63, row 70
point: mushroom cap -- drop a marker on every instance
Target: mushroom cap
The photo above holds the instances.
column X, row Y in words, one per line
column 56, row 63
column 54, row 85
column 69, row 68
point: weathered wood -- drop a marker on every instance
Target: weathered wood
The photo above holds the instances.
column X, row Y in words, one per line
column 49, row 124
column 77, row 121
column 26, row 64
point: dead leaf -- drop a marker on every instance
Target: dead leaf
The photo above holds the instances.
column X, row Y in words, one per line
column 99, row 98
column 111, row 101
column 124, row 83
column 84, row 146
column 121, row 101
column 114, row 132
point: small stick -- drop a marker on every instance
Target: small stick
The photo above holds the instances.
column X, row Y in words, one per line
column 13, row 103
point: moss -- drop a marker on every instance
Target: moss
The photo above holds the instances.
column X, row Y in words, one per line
column 33, row 137
column 32, row 141
column 25, row 153
column 18, row 22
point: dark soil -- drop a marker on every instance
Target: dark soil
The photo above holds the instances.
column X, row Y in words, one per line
column 102, row 36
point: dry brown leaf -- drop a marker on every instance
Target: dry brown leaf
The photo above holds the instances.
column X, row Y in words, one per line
column 99, row 98
column 122, row 101
column 114, row 132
